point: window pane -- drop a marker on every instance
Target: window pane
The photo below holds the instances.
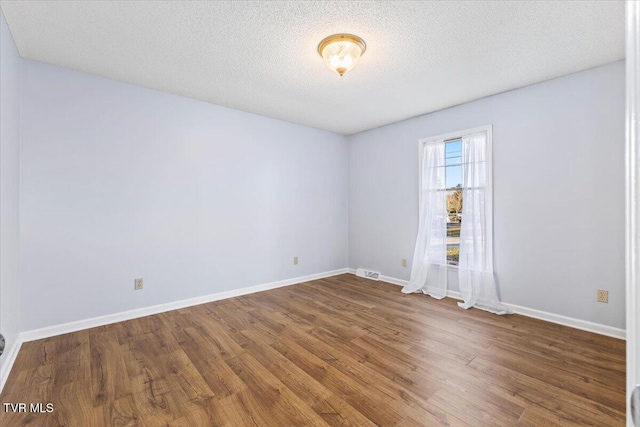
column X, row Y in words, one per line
column 453, row 176
column 453, row 163
column 453, row 153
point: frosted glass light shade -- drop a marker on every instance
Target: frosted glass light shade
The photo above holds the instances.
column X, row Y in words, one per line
column 341, row 52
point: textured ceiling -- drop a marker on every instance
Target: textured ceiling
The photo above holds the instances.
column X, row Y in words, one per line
column 261, row 56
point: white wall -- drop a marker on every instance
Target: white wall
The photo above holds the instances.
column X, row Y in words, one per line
column 9, row 189
column 120, row 182
column 558, row 153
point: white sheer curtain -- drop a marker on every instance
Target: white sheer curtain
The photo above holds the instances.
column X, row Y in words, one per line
column 429, row 268
column 475, row 269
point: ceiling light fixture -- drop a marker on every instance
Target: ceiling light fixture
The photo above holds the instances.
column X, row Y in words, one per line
column 341, row 52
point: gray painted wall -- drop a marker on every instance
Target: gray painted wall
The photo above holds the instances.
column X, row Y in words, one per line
column 9, row 188
column 120, row 182
column 558, row 160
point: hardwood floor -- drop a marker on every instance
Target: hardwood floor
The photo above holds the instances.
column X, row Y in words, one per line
column 339, row 351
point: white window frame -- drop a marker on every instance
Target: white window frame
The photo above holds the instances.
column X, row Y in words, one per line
column 488, row 129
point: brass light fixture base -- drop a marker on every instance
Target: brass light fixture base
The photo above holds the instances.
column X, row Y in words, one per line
column 342, row 37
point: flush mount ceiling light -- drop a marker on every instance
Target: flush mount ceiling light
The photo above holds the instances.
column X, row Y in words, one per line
column 341, row 52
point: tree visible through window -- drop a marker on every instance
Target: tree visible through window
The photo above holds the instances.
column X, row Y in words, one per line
column 453, row 179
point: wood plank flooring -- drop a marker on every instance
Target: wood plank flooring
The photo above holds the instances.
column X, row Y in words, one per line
column 342, row 351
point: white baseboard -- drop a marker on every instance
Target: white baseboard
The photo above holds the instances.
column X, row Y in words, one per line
column 584, row 325
column 386, row 279
column 536, row 314
column 8, row 363
column 65, row 328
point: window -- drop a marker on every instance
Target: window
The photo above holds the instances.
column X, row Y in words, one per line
column 453, row 163
column 455, row 222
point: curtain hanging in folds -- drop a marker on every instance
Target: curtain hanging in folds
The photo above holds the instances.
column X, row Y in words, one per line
column 475, row 269
column 429, row 268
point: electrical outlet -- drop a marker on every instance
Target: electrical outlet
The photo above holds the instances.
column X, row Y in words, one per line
column 137, row 284
column 603, row 296
column 295, row 260
column 404, row 262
